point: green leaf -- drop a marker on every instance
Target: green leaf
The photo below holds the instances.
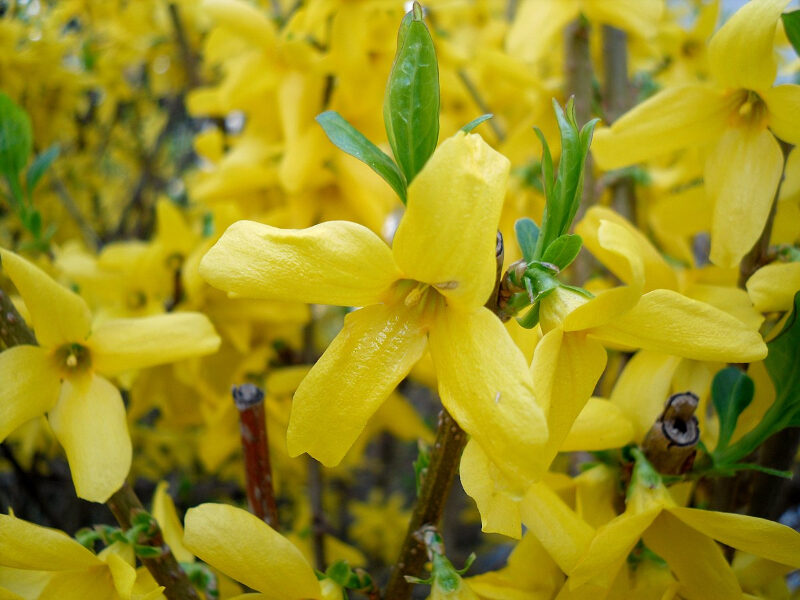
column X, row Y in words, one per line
column 527, row 233
column 531, row 318
column 16, row 137
column 791, row 23
column 339, row 572
column 411, row 102
column 547, row 164
column 731, row 391
column 563, row 250
column 346, row 137
column 143, row 551
column 475, row 122
column 38, row 167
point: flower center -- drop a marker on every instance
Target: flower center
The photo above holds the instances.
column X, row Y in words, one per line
column 73, row 358
column 136, row 299
column 419, row 296
column 749, row 109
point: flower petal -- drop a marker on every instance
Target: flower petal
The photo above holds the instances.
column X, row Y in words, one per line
column 666, row 321
column 762, row 537
column 741, row 174
column 372, row 353
column 30, row 386
column 638, row 17
column 742, row 53
column 119, row 345
column 164, row 512
column 25, row 545
column 547, row 18
column 485, row 384
column 89, row 422
column 499, row 511
column 336, row 262
column 58, row 315
column 599, row 426
column 643, row 387
column 773, row 287
column 564, row 535
column 695, row 559
column 676, row 118
column 448, row 234
column 245, row 548
column 565, row 370
column 783, row 102
column 95, row 583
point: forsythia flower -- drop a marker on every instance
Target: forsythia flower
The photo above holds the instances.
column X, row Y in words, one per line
column 63, row 376
column 739, row 115
column 431, row 285
column 247, row 549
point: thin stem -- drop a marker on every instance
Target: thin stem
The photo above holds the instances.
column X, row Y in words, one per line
column 249, row 401
column 13, row 330
column 188, row 57
column 481, row 103
column 125, row 505
column 89, row 235
column 318, row 522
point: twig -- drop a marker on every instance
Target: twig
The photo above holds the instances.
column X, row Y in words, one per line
column 444, row 461
column 249, row 400
column 671, row 443
column 188, row 57
column 616, row 100
column 481, row 103
column 125, row 505
column 89, row 235
column 318, row 522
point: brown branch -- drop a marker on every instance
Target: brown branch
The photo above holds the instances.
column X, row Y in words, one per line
column 124, row 503
column 188, row 57
column 318, row 522
column 249, row 401
column 671, row 443
column 125, row 506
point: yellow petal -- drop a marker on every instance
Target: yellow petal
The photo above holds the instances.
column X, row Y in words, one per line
column 668, row 322
column 610, row 548
column 783, row 102
column 733, row 301
column 58, row 315
column 337, row 262
column 565, row 370
column 95, row 583
column 499, row 511
column 742, row 174
column 676, row 118
column 599, row 426
column 123, row 575
column 245, row 548
column 773, row 287
column 89, row 422
column 243, row 19
column 762, row 537
column 119, row 345
column 372, row 353
column 448, row 234
column 564, row 535
column 619, row 257
column 164, row 512
column 30, row 386
column 695, row 559
column 638, row 17
column 547, row 18
column 596, row 495
column 643, row 387
column 742, row 53
column 25, row 545
column 485, row 384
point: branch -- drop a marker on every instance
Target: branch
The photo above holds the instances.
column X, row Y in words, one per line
column 13, row 330
column 318, row 522
column 249, row 400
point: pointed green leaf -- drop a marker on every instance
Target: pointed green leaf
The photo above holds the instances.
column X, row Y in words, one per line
column 563, row 250
column 475, row 122
column 411, row 102
column 731, row 391
column 531, row 318
column 527, row 235
column 346, row 137
column 791, row 24
column 16, row 137
column 38, row 167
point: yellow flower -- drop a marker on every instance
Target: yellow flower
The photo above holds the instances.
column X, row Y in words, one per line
column 248, row 550
column 64, row 375
column 431, row 286
column 738, row 115
column 68, row 570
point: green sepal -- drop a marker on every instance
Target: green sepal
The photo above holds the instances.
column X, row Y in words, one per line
column 731, row 392
column 340, row 572
column 349, row 139
column 643, row 472
column 202, row 577
column 791, row 24
column 144, row 551
column 411, row 101
column 527, row 234
column 563, row 250
column 87, row 537
column 531, row 318
column 475, row 122
column 39, row 166
column 16, row 137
